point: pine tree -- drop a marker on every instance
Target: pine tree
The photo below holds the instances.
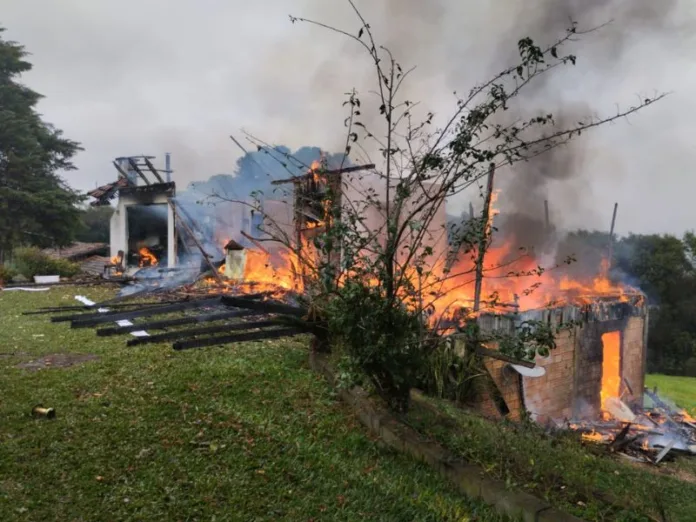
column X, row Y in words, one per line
column 37, row 207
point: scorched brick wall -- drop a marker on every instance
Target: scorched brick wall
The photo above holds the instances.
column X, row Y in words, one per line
column 571, row 385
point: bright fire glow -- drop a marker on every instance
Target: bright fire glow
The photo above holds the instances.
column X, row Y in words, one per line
column 147, row 258
column 512, row 278
column 611, row 372
column 593, row 437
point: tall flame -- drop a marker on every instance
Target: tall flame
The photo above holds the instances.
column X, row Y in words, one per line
column 611, row 371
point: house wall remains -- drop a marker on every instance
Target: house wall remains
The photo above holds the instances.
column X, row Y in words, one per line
column 570, row 388
column 118, row 225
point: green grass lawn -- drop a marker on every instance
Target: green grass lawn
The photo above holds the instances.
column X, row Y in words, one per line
column 680, row 390
column 243, row 432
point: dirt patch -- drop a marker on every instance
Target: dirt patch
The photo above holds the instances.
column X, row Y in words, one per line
column 57, row 360
column 13, row 354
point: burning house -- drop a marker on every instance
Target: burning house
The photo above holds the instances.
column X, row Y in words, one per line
column 142, row 229
column 592, row 381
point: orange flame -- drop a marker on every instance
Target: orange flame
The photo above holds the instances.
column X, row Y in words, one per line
column 611, row 371
column 147, row 258
column 593, row 437
column 315, row 171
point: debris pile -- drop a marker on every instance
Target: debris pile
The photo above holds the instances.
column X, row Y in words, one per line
column 651, row 434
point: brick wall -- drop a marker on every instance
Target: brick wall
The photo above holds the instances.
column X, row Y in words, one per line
column 572, row 383
column 551, row 396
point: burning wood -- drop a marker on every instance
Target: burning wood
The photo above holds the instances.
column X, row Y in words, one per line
column 147, row 258
column 645, row 434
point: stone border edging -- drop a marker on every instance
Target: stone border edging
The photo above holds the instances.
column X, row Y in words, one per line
column 468, row 478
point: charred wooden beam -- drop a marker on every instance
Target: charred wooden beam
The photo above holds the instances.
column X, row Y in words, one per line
column 152, row 168
column 179, row 321
column 122, row 173
column 206, row 257
column 346, row 170
column 271, row 307
column 70, row 283
column 140, row 173
column 237, row 338
column 145, row 291
column 145, row 312
column 622, row 440
column 256, row 242
column 206, row 330
column 188, row 303
column 86, row 308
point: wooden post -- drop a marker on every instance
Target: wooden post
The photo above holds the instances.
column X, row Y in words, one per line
column 611, row 234
column 485, row 216
column 547, row 220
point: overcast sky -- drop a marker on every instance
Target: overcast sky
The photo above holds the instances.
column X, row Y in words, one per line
column 154, row 76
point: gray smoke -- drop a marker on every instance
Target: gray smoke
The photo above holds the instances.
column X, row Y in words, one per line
column 458, row 44
column 555, row 176
column 212, row 71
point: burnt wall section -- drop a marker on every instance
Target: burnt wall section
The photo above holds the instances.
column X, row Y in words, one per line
column 552, row 395
column 507, row 381
column 571, row 386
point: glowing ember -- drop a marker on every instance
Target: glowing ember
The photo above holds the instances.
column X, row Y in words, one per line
column 593, row 437
column 147, row 258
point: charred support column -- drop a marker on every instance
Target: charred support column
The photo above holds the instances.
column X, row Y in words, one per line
column 168, row 166
column 171, row 235
column 611, row 234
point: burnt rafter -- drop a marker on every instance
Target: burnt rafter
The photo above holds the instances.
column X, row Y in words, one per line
column 345, row 170
column 152, row 168
column 137, row 170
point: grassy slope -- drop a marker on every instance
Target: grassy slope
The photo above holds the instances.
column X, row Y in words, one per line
column 681, row 390
column 234, row 433
column 580, row 479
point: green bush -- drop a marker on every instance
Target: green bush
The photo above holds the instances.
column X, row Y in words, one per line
column 382, row 339
column 7, row 273
column 448, row 374
column 31, row 262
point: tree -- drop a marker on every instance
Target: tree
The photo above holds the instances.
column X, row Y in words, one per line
column 661, row 266
column 393, row 274
column 36, row 205
column 96, row 223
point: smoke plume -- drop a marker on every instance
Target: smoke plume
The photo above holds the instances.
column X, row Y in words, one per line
column 456, row 45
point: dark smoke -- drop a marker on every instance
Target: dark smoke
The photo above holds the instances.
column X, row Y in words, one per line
column 555, row 176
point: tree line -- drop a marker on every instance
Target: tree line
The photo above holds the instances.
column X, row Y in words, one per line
column 663, row 266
